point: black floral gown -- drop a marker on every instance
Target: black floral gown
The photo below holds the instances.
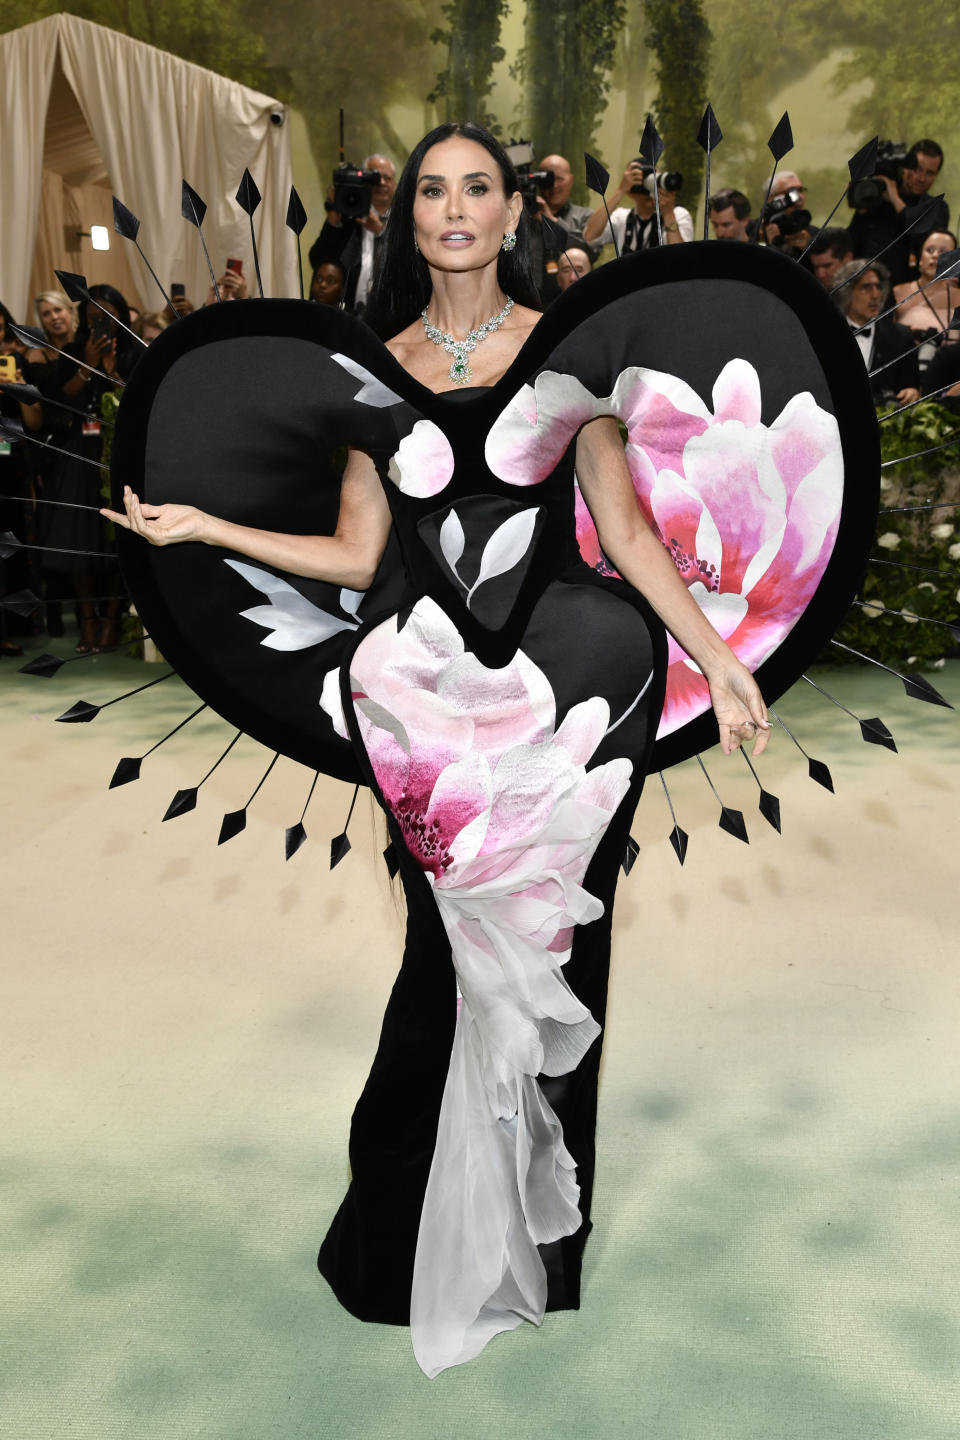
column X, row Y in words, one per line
column 501, row 690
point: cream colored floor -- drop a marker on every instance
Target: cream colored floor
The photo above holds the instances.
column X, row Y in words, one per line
column 184, row 1030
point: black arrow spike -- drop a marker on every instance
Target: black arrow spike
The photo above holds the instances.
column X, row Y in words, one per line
column 236, row 821
column 45, row 665
column 35, row 339
column 864, row 163
column 947, row 262
column 127, row 769
column 231, row 825
column 21, row 602
column 769, row 804
column 340, row 845
column 816, row 768
column 733, row 822
column 915, row 685
column 678, row 837
column 248, row 198
column 781, row 141
column 875, row 732
column 182, row 803
column 125, row 223
column 9, row 544
column 651, row 145
column 80, row 713
column 391, row 860
column 709, row 135
column 26, row 394
column 630, row 855
column 730, row 820
column 73, row 286
column 296, row 220
column 193, row 209
column 295, row 835
column 186, row 800
column 597, row 175
column 554, row 236
column 708, row 138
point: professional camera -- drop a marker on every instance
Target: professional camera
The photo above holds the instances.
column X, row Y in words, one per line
column 532, row 183
column 774, row 208
column 670, row 180
column 789, row 225
column 868, row 194
column 352, row 189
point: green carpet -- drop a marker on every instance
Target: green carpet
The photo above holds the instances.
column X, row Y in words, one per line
column 185, row 1029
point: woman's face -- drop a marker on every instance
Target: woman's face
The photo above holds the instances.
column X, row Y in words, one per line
column 460, row 213
column 934, row 246
column 57, row 320
column 93, row 311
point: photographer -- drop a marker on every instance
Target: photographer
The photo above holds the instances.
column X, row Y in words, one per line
column 636, row 229
column 784, row 220
column 894, row 205
column 352, row 236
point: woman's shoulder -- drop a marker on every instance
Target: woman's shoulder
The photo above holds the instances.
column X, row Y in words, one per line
column 909, row 287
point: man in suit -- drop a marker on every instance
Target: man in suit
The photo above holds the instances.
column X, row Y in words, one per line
column 888, row 348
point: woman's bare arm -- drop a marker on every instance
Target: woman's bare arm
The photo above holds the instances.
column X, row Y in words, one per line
column 642, row 560
column 348, row 557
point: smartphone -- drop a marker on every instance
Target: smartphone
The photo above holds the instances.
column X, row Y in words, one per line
column 177, row 290
column 100, row 328
column 235, row 265
column 8, row 368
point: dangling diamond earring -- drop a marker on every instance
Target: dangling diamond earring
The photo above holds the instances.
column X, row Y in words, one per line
column 509, row 242
column 416, row 247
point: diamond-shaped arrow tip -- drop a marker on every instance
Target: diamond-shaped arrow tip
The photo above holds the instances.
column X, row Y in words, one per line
column 296, row 215
column 630, row 855
column 733, row 822
column 679, row 839
column 864, row 163
column 339, row 846
column 651, row 145
column 127, row 769
column 770, row 809
column 192, row 208
column 21, row 602
column 29, row 335
column 293, row 838
column 391, row 860
column 124, row 221
column 781, row 141
column 709, row 135
column 79, row 713
column 947, row 262
column 73, row 286
column 12, row 428
column 9, row 544
column 876, row 733
column 248, row 196
column 597, row 175
column 819, row 772
column 43, row 665
column 555, row 238
column 919, row 688
column 183, row 802
column 231, row 825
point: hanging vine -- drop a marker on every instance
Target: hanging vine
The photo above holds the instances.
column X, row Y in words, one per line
column 472, row 38
column 681, row 39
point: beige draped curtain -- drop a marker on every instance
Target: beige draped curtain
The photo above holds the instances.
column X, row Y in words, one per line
column 127, row 119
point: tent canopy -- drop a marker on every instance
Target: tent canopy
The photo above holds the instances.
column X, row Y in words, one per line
column 86, row 113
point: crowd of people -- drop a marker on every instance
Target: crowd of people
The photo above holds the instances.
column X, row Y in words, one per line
column 886, row 256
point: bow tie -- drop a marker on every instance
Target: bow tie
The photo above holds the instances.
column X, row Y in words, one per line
column 866, row 332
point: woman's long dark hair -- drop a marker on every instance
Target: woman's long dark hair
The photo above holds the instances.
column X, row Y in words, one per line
column 128, row 351
column 402, row 287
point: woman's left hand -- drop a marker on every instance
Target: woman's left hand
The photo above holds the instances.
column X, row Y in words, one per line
column 739, row 708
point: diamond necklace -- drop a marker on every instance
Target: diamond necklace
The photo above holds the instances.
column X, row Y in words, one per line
column 460, row 372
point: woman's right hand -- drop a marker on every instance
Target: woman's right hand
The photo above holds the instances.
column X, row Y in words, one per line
column 158, row 524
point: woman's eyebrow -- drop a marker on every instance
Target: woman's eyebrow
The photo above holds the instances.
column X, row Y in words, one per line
column 473, row 175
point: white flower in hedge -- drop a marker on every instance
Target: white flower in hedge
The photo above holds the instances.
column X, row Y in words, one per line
column 889, row 540
column 910, row 616
column 954, row 551
column 871, row 609
column 885, row 484
column 927, row 585
column 911, row 659
column 939, row 664
column 942, row 531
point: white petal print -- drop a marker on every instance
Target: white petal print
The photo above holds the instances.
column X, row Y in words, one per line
column 373, row 391
column 506, row 546
column 295, row 622
column 452, row 541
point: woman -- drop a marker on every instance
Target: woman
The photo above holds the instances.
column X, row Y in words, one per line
column 58, row 320
column 509, row 762
column 926, row 304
